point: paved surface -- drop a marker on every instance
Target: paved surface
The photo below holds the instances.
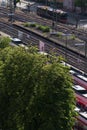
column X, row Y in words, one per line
column 4, row 34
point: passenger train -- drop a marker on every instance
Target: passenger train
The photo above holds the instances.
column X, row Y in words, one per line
column 81, row 120
column 81, row 96
column 54, row 14
column 79, row 78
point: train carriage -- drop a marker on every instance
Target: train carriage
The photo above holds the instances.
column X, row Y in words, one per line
column 81, row 121
column 54, row 14
column 79, row 78
column 81, row 96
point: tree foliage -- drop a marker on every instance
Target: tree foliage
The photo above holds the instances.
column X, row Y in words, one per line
column 34, row 94
column 4, row 42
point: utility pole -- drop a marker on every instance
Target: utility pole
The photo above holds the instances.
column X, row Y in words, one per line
column 10, row 13
column 28, row 7
column 53, row 19
column 66, row 35
column 12, row 4
column 85, row 49
column 77, row 20
column 81, row 44
column 85, row 56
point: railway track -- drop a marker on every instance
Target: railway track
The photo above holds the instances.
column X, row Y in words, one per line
column 8, row 28
column 26, row 17
column 71, row 57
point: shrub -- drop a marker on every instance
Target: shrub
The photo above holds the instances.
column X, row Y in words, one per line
column 46, row 29
column 59, row 34
column 39, row 27
column 32, row 25
column 43, row 28
column 26, row 24
column 29, row 24
column 73, row 37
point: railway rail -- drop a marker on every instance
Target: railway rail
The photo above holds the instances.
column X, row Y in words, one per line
column 19, row 15
column 72, row 57
column 26, row 17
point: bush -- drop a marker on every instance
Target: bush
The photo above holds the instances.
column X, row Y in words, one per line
column 43, row 28
column 32, row 25
column 26, row 24
column 46, row 29
column 39, row 27
column 73, row 37
column 59, row 34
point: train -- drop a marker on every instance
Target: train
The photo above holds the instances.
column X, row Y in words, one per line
column 51, row 13
column 81, row 96
column 81, row 120
column 79, row 78
column 80, row 88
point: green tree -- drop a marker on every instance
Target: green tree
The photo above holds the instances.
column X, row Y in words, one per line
column 34, row 94
column 52, row 107
column 4, row 42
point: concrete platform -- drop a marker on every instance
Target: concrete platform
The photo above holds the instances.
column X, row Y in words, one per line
column 4, row 34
